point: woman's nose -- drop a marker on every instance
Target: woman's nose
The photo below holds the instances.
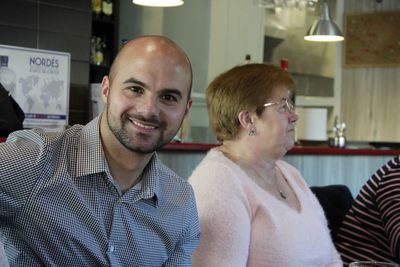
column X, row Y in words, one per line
column 293, row 117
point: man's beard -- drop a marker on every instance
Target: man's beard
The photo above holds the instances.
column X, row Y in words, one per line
column 135, row 143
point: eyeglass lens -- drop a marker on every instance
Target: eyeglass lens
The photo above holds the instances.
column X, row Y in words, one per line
column 289, row 104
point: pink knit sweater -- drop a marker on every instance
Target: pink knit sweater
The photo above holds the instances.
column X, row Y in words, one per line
column 243, row 225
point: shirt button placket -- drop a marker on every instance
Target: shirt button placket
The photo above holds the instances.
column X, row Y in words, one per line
column 115, row 236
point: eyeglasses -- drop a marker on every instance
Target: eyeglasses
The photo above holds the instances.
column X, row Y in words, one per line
column 284, row 105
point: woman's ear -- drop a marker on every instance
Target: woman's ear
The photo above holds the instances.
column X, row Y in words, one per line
column 246, row 120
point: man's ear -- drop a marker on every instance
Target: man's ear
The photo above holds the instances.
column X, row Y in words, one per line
column 246, row 120
column 188, row 106
column 105, row 88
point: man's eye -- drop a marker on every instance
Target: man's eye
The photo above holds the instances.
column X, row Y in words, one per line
column 136, row 89
column 169, row 98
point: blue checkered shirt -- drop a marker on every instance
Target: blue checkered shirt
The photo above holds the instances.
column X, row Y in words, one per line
column 59, row 206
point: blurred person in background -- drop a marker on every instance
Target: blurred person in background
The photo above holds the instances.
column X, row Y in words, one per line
column 371, row 229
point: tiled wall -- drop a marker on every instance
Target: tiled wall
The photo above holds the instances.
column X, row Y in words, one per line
column 59, row 25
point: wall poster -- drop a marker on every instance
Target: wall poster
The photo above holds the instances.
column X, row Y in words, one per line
column 39, row 82
column 372, row 39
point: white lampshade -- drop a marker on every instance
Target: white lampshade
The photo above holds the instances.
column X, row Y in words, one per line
column 324, row 29
column 158, row 3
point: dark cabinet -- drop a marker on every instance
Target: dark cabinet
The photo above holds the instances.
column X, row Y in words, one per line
column 104, row 43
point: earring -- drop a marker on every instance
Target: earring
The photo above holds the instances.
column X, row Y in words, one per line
column 252, row 132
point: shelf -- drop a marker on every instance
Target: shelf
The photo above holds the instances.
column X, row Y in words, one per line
column 100, row 67
column 106, row 29
column 198, row 95
column 103, row 21
column 314, row 101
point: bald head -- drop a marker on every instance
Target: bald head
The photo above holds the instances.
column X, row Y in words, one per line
column 158, row 47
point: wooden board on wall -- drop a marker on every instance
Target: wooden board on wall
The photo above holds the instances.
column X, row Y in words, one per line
column 372, row 39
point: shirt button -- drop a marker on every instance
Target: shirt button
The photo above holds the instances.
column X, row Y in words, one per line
column 111, row 248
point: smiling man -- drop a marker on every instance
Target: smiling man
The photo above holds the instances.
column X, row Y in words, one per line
column 97, row 195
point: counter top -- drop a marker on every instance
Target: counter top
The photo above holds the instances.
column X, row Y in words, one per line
column 311, row 150
column 315, row 150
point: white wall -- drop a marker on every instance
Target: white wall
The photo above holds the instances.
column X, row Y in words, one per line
column 237, row 29
column 187, row 25
column 136, row 20
column 370, row 95
column 216, row 34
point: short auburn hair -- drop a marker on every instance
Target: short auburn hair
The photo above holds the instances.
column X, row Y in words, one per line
column 242, row 88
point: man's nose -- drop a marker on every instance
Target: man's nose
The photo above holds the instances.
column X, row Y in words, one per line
column 148, row 106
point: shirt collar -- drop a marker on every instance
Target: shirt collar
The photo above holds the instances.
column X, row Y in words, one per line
column 151, row 179
column 90, row 160
column 90, row 155
column 149, row 188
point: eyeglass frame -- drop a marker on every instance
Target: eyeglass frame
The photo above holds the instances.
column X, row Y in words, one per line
column 289, row 106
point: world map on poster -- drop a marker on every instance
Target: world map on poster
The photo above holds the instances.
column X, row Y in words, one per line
column 48, row 94
column 39, row 81
column 372, row 39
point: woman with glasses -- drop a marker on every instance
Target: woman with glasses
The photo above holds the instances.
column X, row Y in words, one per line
column 255, row 209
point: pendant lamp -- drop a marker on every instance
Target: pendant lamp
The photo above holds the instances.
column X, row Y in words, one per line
column 324, row 29
column 158, row 3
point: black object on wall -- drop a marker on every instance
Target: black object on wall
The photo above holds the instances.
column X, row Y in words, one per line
column 11, row 115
